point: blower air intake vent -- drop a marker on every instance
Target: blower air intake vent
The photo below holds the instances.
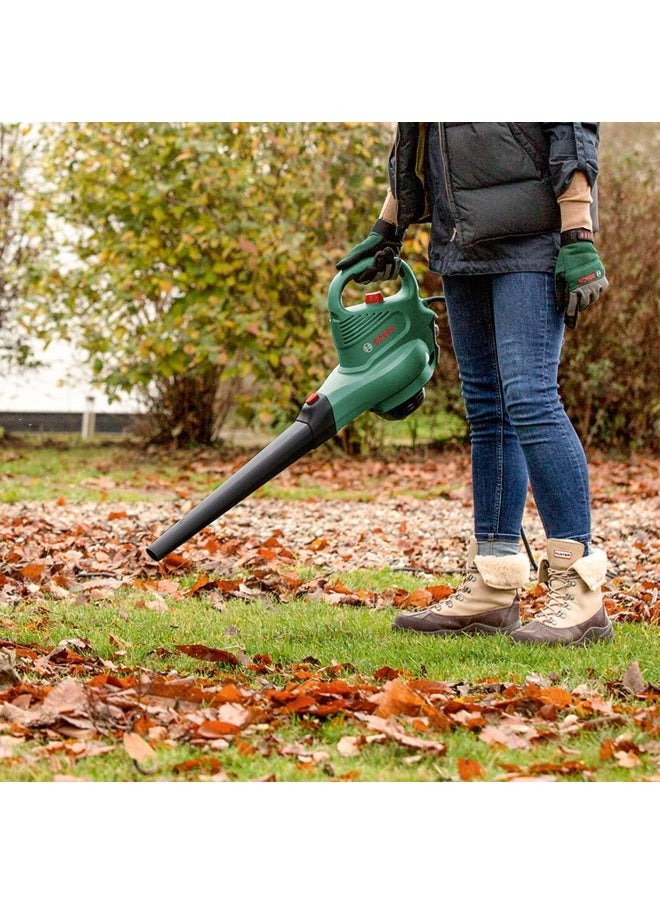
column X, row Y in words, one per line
column 356, row 330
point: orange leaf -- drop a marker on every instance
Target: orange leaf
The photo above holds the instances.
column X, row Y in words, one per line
column 213, row 728
column 557, row 695
column 202, row 581
column 319, row 543
column 440, row 591
column 420, row 598
column 33, row 572
column 607, row 749
column 470, row 769
column 399, row 698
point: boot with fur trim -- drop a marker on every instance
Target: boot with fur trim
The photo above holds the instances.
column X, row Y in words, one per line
column 486, row 602
column 574, row 613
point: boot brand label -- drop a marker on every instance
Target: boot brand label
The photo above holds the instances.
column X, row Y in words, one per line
column 561, row 554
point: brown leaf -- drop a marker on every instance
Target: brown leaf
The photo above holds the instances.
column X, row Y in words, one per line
column 207, row 654
column 137, row 748
column 627, row 758
column 8, row 674
column 202, row 583
column 350, row 746
column 389, row 728
column 496, row 737
column 16, row 715
column 66, row 697
column 566, row 768
column 235, row 714
column 632, row 679
column 154, row 605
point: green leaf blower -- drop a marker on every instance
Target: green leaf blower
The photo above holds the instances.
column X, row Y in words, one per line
column 387, row 350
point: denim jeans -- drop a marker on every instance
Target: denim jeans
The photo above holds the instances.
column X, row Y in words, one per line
column 507, row 337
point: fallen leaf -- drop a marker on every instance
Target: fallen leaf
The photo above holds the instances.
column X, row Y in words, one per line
column 350, row 746
column 632, row 679
column 389, row 728
column 470, row 770
column 207, row 654
column 137, row 748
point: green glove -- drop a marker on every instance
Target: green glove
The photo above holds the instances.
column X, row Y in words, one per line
column 579, row 274
column 383, row 244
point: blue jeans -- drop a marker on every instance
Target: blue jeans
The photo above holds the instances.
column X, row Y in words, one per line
column 507, row 337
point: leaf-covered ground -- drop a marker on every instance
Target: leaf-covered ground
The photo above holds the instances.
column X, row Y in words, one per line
column 412, row 516
column 406, row 515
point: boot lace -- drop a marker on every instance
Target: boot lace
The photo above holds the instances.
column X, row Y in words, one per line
column 460, row 593
column 560, row 597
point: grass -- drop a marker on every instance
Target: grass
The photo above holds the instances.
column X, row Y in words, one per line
column 357, row 642
column 294, row 631
column 351, row 642
column 105, row 469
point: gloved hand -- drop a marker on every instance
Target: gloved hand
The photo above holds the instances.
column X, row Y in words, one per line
column 579, row 274
column 384, row 245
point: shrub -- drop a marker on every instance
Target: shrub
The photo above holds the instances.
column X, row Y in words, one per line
column 610, row 370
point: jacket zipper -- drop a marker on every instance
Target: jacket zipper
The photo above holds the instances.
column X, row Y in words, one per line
column 445, row 174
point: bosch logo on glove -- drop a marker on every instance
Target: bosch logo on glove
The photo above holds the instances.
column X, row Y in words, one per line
column 386, row 332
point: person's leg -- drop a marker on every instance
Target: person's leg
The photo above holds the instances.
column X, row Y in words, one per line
column 499, row 472
column 487, row 600
column 529, row 335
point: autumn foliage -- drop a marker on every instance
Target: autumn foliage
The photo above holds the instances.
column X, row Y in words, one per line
column 192, row 709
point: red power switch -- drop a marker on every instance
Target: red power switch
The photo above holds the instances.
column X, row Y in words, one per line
column 313, row 397
column 373, row 298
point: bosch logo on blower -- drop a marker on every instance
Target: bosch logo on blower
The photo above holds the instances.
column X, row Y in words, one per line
column 386, row 332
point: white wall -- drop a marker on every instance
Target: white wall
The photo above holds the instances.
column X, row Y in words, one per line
column 62, row 385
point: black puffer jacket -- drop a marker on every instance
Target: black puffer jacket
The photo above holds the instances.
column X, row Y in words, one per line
column 490, row 189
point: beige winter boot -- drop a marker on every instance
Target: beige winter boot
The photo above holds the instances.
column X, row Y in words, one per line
column 574, row 613
column 486, row 602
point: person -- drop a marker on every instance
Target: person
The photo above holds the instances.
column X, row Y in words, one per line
column 512, row 208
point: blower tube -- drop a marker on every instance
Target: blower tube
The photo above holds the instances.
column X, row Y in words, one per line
column 314, row 425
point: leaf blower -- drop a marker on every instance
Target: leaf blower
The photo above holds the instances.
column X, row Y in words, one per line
column 387, row 349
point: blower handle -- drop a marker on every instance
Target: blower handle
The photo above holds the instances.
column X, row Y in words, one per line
column 409, row 285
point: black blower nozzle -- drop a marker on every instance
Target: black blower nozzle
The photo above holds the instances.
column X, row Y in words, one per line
column 315, row 424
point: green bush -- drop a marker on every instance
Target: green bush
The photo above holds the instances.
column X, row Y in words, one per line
column 610, row 370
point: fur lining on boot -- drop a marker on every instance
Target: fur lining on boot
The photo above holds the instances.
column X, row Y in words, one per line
column 592, row 569
column 503, row 572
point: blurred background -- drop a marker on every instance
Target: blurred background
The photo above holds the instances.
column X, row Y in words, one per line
column 179, row 271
